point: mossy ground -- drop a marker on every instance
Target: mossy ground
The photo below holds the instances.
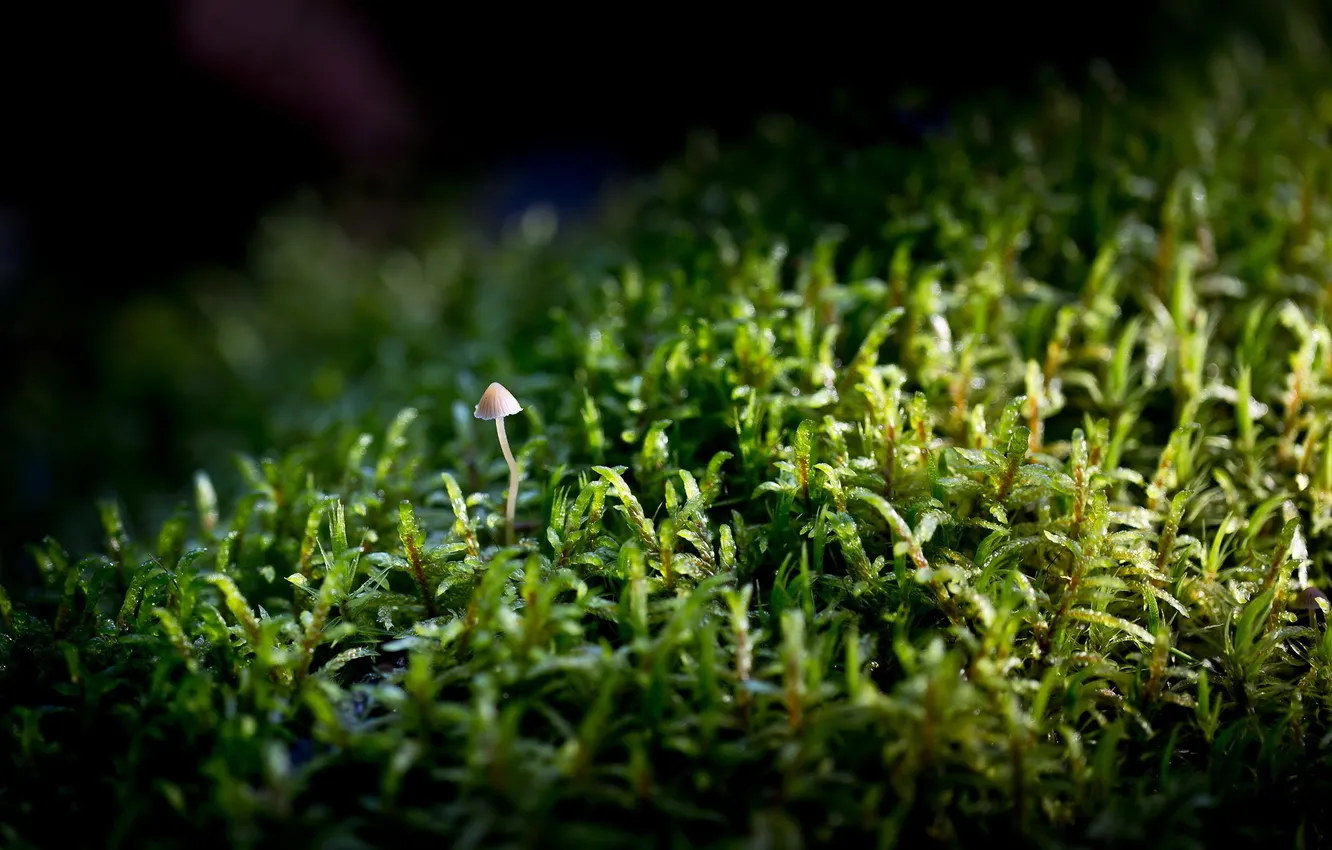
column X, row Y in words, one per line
column 960, row 493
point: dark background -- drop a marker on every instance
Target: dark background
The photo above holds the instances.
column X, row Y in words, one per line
column 128, row 160
column 129, row 153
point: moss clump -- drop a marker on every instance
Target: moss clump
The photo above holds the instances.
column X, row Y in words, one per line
column 957, row 494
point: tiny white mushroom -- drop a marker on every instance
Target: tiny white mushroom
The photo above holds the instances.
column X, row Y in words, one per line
column 1314, row 601
column 496, row 403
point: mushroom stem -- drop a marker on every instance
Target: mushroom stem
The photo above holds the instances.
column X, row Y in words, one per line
column 512, row 505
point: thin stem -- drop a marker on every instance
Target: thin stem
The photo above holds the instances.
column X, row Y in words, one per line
column 513, row 481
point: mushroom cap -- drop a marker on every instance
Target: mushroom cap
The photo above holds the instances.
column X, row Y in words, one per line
column 1308, row 599
column 496, row 403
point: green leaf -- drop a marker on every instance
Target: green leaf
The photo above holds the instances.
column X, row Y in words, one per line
column 1101, row 618
column 633, row 510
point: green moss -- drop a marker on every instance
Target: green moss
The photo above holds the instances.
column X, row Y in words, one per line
column 956, row 494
